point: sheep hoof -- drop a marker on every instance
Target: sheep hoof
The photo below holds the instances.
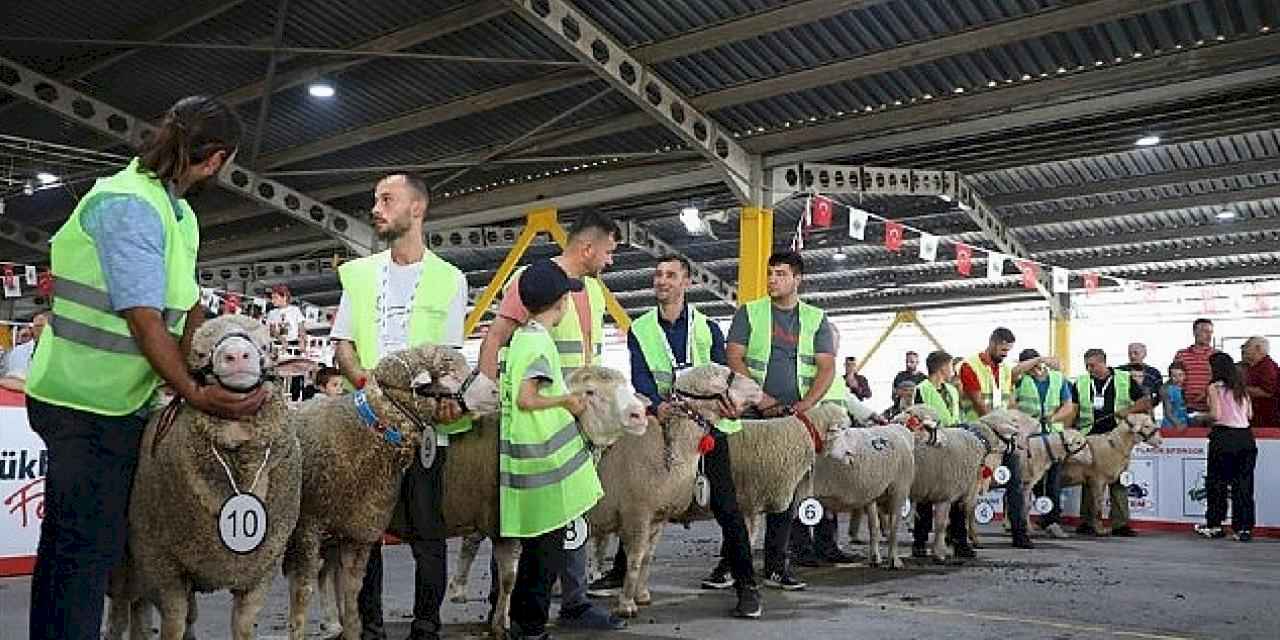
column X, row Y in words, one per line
column 330, row 629
column 626, row 610
column 644, row 599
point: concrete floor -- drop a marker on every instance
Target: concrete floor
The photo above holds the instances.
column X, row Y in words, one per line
column 1157, row 586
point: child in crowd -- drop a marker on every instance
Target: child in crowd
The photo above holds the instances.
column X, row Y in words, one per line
column 1172, row 399
column 328, row 382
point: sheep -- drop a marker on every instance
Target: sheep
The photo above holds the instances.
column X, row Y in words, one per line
column 1046, row 449
column 352, row 473
column 190, row 465
column 951, row 463
column 866, row 468
column 1111, row 453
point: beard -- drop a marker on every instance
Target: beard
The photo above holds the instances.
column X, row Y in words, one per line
column 393, row 231
column 198, row 187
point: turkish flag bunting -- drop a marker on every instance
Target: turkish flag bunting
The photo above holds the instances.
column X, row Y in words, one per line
column 821, row 208
column 45, row 284
column 964, row 259
column 893, row 235
column 1149, row 292
column 1030, row 272
column 1090, row 283
column 1206, row 301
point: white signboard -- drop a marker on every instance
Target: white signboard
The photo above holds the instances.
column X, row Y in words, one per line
column 23, row 462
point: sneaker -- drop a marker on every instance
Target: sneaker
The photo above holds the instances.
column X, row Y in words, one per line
column 1124, row 532
column 838, row 557
column 748, row 603
column 591, row 618
column 1023, row 542
column 965, row 551
column 1055, row 531
column 1243, row 536
column 919, row 551
column 1086, row 530
column 810, row 560
column 608, row 585
column 720, row 578
column 1210, row 532
column 785, row 581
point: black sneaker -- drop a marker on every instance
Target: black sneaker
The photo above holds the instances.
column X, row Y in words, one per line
column 1243, row 536
column 1210, row 532
column 1086, row 530
column 965, row 551
column 606, row 586
column 1124, row 532
column 1022, row 542
column 839, row 557
column 720, row 578
column 785, row 581
column 810, row 560
column 748, row 603
column 919, row 551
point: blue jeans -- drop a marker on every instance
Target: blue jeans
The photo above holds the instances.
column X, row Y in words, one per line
column 86, row 507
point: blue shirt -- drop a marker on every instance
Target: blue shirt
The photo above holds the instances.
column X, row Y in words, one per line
column 677, row 336
column 130, row 239
column 1176, row 407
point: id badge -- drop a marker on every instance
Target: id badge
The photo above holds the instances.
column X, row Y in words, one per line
column 1098, row 403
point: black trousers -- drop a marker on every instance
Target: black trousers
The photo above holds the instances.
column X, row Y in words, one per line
column 1051, row 485
column 91, row 460
column 1014, row 501
column 540, row 562
column 957, row 524
column 421, row 499
column 1232, row 456
column 735, row 546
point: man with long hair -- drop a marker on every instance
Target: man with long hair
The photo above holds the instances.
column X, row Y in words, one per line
column 125, row 306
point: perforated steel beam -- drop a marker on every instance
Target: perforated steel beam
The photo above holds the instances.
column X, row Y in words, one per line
column 640, row 237
column 593, row 45
column 29, row 237
column 108, row 120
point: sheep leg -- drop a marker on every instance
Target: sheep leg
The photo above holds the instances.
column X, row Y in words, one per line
column 635, row 539
column 245, row 606
column 301, row 566
column 873, row 534
column 506, row 551
column 895, row 515
column 643, row 597
column 327, row 590
column 457, row 591
column 599, row 556
column 118, row 617
column 353, row 557
column 193, row 613
column 941, row 517
column 141, row 620
column 855, row 523
column 1098, row 488
column 173, row 604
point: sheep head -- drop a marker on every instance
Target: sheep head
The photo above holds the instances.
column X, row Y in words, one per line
column 732, row 393
column 233, row 351
column 829, row 419
column 1144, row 427
column 922, row 421
column 417, row 377
column 1079, row 443
column 613, row 406
column 1011, row 423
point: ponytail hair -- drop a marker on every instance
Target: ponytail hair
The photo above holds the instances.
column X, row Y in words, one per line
column 192, row 131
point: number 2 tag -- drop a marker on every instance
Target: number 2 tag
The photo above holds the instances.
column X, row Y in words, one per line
column 242, row 523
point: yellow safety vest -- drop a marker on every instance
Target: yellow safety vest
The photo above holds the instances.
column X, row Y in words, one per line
column 1084, row 390
column 657, row 355
column 1029, row 401
column 994, row 396
column 948, row 412
column 570, row 343
column 760, row 346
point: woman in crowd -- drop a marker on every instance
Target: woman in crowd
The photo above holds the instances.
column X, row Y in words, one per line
column 1232, row 452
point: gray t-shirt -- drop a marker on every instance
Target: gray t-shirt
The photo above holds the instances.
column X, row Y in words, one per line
column 781, row 381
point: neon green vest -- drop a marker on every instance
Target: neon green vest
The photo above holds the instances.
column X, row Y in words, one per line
column 948, row 413
column 988, row 388
column 546, row 475
column 87, row 358
column 570, row 343
column 654, row 348
column 1084, row 389
column 432, row 301
column 760, row 346
column 1029, row 401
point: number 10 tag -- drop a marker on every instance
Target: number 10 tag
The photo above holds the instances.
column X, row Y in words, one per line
column 242, row 523
column 809, row 512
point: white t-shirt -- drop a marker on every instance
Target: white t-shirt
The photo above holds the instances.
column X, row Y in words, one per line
column 290, row 318
column 19, row 360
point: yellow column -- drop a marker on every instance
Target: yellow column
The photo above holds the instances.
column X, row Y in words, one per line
column 755, row 246
column 1061, row 336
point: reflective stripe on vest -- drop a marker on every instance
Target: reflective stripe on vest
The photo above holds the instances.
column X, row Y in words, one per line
column 88, row 359
column 987, row 387
column 948, row 413
column 546, row 477
column 760, row 347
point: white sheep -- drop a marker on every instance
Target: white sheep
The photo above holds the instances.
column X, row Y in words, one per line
column 866, row 468
column 1045, row 450
column 1111, row 454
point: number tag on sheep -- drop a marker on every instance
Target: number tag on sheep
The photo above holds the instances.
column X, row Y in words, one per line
column 1042, row 505
column 575, row 534
column 984, row 513
column 809, row 512
column 427, row 450
column 1002, row 475
column 242, row 523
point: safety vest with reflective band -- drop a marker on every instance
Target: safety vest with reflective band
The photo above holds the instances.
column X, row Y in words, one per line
column 432, row 301
column 87, row 358
column 1084, row 389
column 1030, row 403
column 570, row 343
column 546, row 474
column 760, row 346
column 987, row 386
column 948, row 412
column 654, row 348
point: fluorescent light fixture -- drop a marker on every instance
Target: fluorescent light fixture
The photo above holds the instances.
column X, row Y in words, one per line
column 46, row 178
column 1147, row 141
column 1227, row 214
column 839, row 255
column 693, row 223
column 321, row 90
column 944, row 197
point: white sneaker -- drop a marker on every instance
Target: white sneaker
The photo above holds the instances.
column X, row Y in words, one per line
column 1055, row 531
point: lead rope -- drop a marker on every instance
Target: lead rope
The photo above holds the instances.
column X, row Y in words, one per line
column 230, row 478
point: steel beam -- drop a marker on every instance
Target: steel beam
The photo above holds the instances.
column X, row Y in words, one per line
column 32, row 238
column 576, row 33
column 1219, row 199
column 103, row 118
column 640, row 237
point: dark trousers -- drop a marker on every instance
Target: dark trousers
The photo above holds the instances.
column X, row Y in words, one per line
column 91, row 460
column 1015, row 502
column 957, row 525
column 421, row 499
column 1232, row 456
column 1051, row 485
column 735, row 546
column 819, row 539
column 540, row 562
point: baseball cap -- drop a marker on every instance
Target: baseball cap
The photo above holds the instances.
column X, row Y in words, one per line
column 906, row 384
column 543, row 283
column 1028, row 354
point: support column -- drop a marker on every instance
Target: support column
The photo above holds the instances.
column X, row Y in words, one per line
column 755, row 246
column 1060, row 334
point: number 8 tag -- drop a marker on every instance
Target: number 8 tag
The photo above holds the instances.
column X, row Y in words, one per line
column 575, row 534
column 242, row 523
column 809, row 512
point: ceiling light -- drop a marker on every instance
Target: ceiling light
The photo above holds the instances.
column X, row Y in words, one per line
column 46, row 178
column 693, row 223
column 839, row 255
column 321, row 90
column 28, row 188
column 1147, row 141
column 1226, row 214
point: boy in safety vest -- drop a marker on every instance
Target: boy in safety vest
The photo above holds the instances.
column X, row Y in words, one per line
column 1044, row 394
column 541, row 488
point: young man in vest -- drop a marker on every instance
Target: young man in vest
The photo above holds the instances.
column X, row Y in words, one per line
column 1045, row 395
column 789, row 348
column 673, row 337
column 541, row 490
column 987, row 384
column 1105, row 395
column 579, row 336
column 125, row 306
column 940, row 395
column 399, row 298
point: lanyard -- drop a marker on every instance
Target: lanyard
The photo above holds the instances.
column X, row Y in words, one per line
column 678, row 365
column 1093, row 384
column 381, row 310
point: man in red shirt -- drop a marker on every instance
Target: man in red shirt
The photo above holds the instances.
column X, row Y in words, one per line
column 1262, row 378
column 1195, row 361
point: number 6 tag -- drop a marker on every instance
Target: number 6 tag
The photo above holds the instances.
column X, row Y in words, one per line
column 809, row 512
column 242, row 523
